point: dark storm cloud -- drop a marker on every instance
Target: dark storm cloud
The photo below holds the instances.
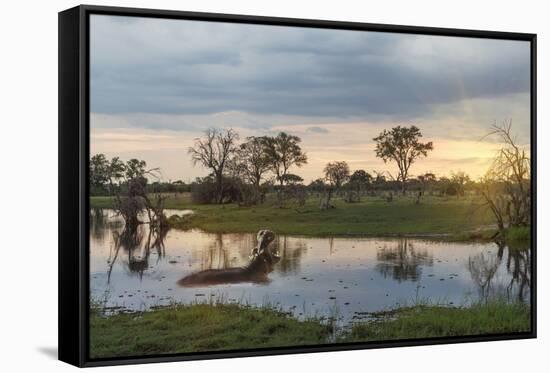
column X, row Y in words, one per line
column 183, row 67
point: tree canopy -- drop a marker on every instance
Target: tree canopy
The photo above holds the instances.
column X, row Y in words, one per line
column 402, row 145
column 283, row 152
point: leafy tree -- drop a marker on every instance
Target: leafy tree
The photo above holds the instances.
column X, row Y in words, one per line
column 402, row 145
column 135, row 168
column 336, row 174
column 292, row 179
column 99, row 173
column 116, row 171
column 317, row 185
column 427, row 178
column 179, row 187
column 459, row 179
column 425, row 181
column 360, row 176
column 360, row 179
column 214, row 152
column 379, row 178
column 251, row 164
column 358, row 182
column 105, row 174
column 445, row 186
column 283, row 152
column 253, row 160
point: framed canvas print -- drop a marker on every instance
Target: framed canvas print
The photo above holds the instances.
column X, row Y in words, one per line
column 238, row 186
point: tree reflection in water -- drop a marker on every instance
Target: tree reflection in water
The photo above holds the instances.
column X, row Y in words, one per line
column 484, row 267
column 98, row 222
column 518, row 265
column 216, row 256
column 402, row 261
column 137, row 242
column 262, row 261
column 226, row 251
column 290, row 254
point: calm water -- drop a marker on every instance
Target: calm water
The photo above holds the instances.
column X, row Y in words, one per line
column 314, row 276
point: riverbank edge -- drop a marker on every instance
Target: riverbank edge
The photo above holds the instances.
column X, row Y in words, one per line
column 200, row 220
column 217, row 327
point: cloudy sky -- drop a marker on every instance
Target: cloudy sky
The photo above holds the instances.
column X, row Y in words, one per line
column 157, row 84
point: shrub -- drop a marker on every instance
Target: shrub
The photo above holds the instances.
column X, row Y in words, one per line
column 204, row 191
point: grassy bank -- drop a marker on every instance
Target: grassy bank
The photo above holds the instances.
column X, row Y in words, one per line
column 204, row 327
column 427, row 322
column 519, row 235
column 199, row 327
column 372, row 216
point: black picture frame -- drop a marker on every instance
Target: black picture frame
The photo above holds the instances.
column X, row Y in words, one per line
column 73, row 180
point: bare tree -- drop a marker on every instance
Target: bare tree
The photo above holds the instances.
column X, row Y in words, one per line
column 213, row 152
column 336, row 173
column 402, row 145
column 506, row 185
column 136, row 200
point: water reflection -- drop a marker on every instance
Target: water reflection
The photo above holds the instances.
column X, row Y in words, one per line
column 484, row 269
column 290, row 254
column 101, row 221
column 136, row 243
column 401, row 261
column 519, row 266
column 261, row 263
column 307, row 276
column 98, row 222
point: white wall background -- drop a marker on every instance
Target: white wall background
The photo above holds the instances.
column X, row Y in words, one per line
column 28, row 194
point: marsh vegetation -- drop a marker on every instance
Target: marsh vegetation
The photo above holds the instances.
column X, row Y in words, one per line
column 206, row 327
column 251, row 257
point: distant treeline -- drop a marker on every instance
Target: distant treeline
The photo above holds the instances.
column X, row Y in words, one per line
column 455, row 184
column 248, row 172
column 177, row 186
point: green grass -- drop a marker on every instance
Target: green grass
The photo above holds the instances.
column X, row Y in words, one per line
column 518, row 234
column 203, row 327
column 462, row 218
column 436, row 321
column 199, row 327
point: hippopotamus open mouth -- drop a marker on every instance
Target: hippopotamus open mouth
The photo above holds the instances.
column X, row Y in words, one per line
column 260, row 265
